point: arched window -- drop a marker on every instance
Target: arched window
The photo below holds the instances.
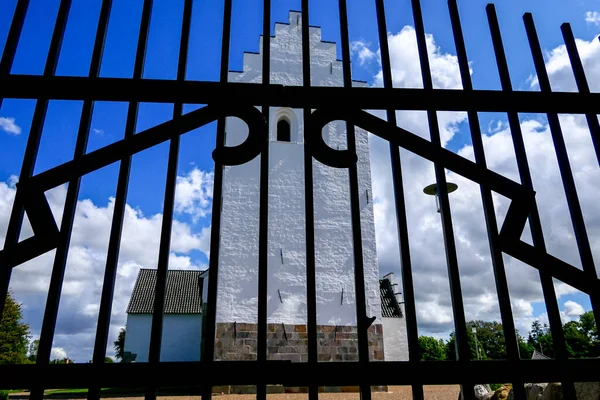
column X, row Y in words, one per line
column 283, row 131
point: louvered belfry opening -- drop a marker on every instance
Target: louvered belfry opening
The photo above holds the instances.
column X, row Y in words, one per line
column 250, row 103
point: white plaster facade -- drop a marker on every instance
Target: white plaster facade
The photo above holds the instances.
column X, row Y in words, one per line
column 238, row 258
column 181, row 338
column 395, row 340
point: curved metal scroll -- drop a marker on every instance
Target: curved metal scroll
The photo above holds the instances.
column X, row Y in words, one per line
column 522, row 199
column 30, row 192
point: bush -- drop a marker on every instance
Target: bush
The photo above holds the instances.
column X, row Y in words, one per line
column 3, row 395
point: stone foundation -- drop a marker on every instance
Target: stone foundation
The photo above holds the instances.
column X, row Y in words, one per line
column 238, row 342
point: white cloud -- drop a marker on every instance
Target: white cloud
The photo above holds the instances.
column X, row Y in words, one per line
column 78, row 312
column 58, row 353
column 361, row 49
column 524, row 324
column 592, row 17
column 8, row 125
column 406, row 73
column 559, row 66
column 406, row 68
column 98, row 131
column 12, row 181
column 434, row 306
column 573, row 309
column 193, row 194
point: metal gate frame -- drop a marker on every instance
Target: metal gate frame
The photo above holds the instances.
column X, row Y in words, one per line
column 350, row 101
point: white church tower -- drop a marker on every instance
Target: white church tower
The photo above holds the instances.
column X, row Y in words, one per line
column 237, row 304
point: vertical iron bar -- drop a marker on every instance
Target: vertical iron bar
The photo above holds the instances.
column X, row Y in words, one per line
column 263, row 225
column 537, row 234
column 401, row 219
column 80, row 148
column 215, row 233
column 47, row 331
column 112, row 257
column 10, row 49
column 114, row 243
column 311, row 275
column 16, row 216
column 510, row 334
column 107, row 287
column 168, row 205
column 582, row 85
column 30, row 157
column 568, row 182
column 448, row 231
column 587, row 260
column 357, row 247
column 113, row 250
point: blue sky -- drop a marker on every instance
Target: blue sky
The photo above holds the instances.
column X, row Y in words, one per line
column 204, row 60
column 148, row 172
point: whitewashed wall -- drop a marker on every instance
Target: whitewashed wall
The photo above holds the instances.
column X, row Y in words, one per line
column 180, row 340
column 395, row 342
column 238, row 259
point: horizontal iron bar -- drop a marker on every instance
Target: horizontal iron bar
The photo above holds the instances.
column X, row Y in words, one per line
column 294, row 374
column 195, row 92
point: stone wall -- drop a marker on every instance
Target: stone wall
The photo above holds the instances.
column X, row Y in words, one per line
column 238, row 342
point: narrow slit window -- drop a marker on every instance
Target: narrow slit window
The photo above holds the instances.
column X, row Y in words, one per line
column 283, row 131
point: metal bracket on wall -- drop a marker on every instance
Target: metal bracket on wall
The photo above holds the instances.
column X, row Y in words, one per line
column 370, row 321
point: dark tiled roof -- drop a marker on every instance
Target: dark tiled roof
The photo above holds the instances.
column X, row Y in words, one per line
column 183, row 294
column 389, row 305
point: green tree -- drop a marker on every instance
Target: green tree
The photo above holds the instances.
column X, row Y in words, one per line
column 65, row 360
column 540, row 339
column 490, row 339
column 486, row 343
column 537, row 331
column 33, row 350
column 432, row 349
column 578, row 343
column 587, row 324
column 525, row 349
column 120, row 345
column 473, row 347
column 14, row 333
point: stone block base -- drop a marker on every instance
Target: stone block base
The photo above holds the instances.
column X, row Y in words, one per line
column 238, row 342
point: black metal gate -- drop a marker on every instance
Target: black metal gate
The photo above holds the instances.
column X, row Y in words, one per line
column 241, row 99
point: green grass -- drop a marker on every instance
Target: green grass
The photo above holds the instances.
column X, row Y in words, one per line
column 74, row 391
column 65, row 391
column 108, row 390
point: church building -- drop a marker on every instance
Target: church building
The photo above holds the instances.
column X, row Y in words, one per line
column 237, row 298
